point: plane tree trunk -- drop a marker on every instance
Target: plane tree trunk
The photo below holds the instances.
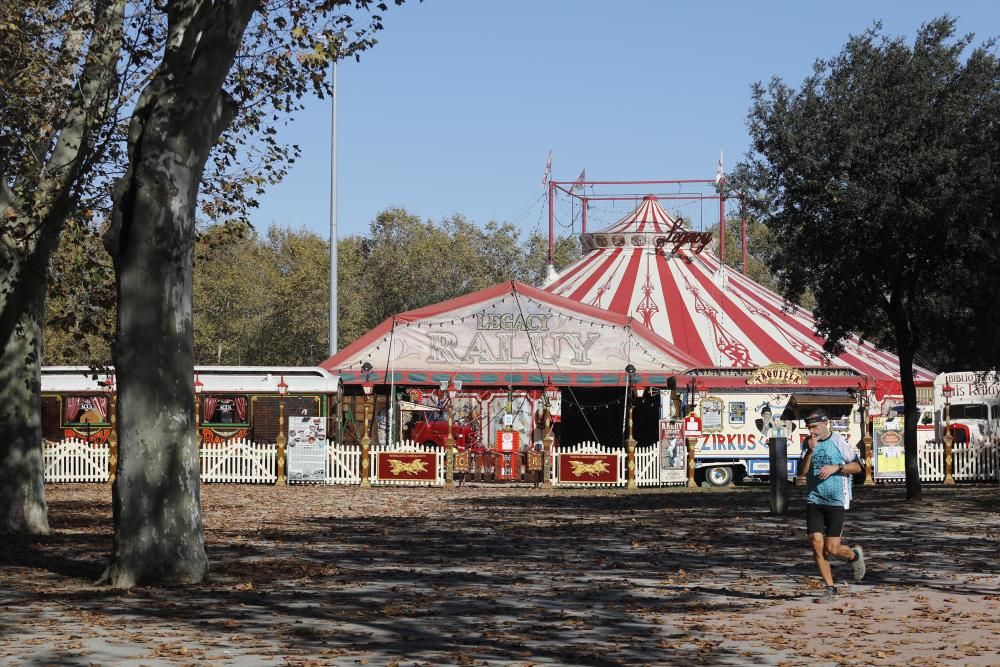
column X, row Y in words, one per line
column 34, row 207
column 907, row 342
column 22, row 488
column 179, row 117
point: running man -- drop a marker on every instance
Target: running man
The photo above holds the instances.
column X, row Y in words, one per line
column 829, row 463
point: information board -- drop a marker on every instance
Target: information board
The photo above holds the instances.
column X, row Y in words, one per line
column 890, row 460
column 306, row 451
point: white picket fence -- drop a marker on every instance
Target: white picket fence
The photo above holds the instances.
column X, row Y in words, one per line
column 343, row 464
column 977, row 461
column 75, row 461
column 243, row 462
column 406, row 447
column 240, row 462
column 647, row 465
column 621, row 472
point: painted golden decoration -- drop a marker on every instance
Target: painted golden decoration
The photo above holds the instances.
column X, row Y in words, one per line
column 594, row 469
column 777, row 374
column 414, row 467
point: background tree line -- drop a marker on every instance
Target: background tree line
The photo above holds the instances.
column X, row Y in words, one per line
column 262, row 298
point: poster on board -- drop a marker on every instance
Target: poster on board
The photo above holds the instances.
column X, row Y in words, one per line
column 890, row 461
column 306, row 451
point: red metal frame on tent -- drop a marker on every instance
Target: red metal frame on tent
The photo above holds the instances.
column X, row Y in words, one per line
column 559, row 185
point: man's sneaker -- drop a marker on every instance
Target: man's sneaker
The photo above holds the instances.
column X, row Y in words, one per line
column 829, row 595
column 858, row 564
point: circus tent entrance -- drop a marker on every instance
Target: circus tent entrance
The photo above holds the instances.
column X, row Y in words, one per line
column 601, row 414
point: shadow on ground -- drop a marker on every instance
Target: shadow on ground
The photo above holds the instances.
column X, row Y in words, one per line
column 480, row 575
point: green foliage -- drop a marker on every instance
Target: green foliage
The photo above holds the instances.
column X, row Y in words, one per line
column 877, row 179
column 406, row 263
column 80, row 310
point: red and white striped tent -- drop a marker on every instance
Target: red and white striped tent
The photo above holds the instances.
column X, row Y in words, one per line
column 651, row 267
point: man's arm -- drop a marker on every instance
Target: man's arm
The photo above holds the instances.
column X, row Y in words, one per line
column 852, row 466
column 805, row 462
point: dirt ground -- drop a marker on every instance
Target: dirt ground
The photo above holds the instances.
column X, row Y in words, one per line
column 506, row 575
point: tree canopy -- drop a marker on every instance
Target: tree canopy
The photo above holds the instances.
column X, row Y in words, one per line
column 262, row 298
column 877, row 177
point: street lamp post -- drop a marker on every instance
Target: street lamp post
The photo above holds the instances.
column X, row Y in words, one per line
column 199, row 386
column 368, row 388
column 948, row 390
column 282, row 392
column 697, row 389
column 109, row 386
column 866, row 436
column 551, row 394
column 452, row 389
column 630, row 379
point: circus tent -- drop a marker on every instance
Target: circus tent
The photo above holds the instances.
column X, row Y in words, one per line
column 651, row 267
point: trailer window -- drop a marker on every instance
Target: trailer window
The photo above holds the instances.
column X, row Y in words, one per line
column 996, row 412
column 225, row 410
column 968, row 411
column 85, row 410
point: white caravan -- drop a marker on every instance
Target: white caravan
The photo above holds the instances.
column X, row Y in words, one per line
column 973, row 409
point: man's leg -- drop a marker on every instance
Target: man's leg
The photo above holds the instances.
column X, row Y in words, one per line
column 816, row 528
column 817, row 540
column 834, row 547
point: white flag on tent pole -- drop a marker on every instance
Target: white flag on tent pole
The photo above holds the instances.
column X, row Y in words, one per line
column 548, row 170
column 578, row 183
column 719, row 171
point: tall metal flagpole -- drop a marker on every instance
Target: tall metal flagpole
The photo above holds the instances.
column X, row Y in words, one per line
column 333, row 216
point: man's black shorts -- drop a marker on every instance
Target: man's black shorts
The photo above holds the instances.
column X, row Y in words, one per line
column 826, row 519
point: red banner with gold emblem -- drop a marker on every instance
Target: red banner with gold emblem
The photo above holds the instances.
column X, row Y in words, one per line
column 588, row 468
column 462, row 462
column 393, row 466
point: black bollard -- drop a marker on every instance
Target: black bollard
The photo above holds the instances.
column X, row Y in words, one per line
column 778, row 455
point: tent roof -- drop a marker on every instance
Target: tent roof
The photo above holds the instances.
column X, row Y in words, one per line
column 666, row 276
column 510, row 333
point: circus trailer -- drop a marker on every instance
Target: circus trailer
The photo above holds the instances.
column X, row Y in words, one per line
column 967, row 403
column 741, row 409
column 232, row 402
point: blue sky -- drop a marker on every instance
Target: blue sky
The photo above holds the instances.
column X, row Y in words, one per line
column 457, row 107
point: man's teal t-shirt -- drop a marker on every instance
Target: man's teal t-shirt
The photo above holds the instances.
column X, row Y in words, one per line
column 835, row 490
